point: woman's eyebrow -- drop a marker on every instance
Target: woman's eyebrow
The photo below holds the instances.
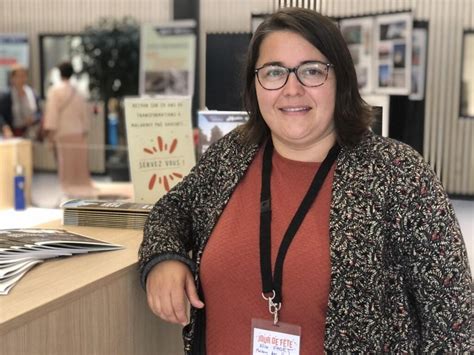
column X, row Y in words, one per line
column 272, row 63
column 300, row 63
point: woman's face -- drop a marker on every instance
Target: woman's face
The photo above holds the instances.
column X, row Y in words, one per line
column 299, row 117
column 19, row 78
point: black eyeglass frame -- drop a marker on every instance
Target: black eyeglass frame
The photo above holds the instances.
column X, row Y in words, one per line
column 294, row 70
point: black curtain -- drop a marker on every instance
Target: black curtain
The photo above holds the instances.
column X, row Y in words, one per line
column 406, row 122
column 225, row 55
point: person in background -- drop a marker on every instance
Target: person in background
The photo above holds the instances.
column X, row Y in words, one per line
column 5, row 130
column 303, row 219
column 66, row 121
column 19, row 107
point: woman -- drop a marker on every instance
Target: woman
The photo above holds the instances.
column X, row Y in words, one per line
column 66, row 121
column 19, row 107
column 375, row 264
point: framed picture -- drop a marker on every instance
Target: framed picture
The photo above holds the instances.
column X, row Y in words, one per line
column 381, row 105
column 213, row 125
column 358, row 33
column 418, row 62
column 393, row 53
column 467, row 75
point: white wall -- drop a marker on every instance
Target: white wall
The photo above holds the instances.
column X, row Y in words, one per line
column 448, row 140
column 55, row 16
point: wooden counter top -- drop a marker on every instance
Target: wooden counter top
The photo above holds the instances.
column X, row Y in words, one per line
column 55, row 281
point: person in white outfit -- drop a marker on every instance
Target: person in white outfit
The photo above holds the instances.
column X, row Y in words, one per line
column 19, row 107
column 67, row 121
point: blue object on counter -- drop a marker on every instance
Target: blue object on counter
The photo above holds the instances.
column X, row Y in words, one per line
column 19, row 185
column 112, row 129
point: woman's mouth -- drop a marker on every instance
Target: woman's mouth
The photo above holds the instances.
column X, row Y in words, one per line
column 291, row 109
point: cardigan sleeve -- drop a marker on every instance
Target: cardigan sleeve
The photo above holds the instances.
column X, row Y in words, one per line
column 168, row 231
column 435, row 260
column 173, row 227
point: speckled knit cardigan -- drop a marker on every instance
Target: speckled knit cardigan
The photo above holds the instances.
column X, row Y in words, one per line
column 400, row 279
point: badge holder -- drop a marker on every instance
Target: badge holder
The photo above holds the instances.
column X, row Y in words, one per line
column 274, row 337
column 269, row 338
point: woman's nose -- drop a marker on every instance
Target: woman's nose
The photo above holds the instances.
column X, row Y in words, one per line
column 293, row 86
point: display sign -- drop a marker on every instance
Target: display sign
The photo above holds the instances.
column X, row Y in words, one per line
column 14, row 49
column 160, row 144
column 167, row 58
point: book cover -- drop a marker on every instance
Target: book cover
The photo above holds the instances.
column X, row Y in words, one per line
column 160, row 144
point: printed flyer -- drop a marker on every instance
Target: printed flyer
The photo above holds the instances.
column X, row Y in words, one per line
column 160, row 144
column 14, row 49
column 168, row 54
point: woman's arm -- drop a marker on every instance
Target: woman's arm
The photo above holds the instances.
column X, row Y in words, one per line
column 435, row 260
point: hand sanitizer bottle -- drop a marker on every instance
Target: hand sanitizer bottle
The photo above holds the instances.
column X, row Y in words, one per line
column 19, row 185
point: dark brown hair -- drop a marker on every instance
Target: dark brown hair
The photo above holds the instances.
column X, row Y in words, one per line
column 65, row 69
column 352, row 115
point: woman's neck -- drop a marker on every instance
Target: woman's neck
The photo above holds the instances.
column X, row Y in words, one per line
column 314, row 152
column 20, row 89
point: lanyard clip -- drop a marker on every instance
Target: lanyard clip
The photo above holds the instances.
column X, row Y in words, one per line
column 265, row 206
column 273, row 307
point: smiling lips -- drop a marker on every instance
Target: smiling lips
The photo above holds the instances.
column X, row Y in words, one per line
column 295, row 109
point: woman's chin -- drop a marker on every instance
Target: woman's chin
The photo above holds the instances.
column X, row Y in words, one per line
column 295, row 136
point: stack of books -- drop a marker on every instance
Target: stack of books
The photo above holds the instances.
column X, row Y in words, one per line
column 21, row 249
column 104, row 213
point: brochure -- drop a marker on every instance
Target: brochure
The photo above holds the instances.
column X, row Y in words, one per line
column 21, row 249
column 105, row 213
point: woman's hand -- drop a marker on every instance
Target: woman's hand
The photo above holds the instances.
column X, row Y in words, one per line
column 6, row 131
column 169, row 287
column 29, row 120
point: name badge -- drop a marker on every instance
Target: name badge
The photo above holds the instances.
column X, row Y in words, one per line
column 271, row 339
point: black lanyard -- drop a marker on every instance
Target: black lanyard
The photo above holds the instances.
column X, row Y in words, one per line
column 274, row 284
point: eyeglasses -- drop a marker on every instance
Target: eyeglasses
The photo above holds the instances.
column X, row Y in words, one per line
column 311, row 74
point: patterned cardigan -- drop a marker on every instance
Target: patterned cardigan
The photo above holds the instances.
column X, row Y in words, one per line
column 400, row 278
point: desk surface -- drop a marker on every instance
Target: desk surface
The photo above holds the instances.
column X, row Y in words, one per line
column 55, row 282
column 28, row 218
